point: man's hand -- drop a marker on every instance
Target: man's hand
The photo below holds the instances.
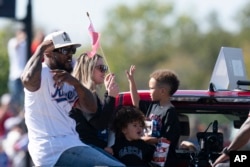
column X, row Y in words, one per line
column 61, row 76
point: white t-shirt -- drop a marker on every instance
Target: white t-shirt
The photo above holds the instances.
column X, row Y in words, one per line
column 50, row 129
column 17, row 58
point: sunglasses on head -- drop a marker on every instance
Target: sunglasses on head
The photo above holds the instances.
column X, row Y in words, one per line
column 102, row 68
column 65, row 51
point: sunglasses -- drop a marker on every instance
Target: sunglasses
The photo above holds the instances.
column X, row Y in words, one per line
column 102, row 68
column 65, row 51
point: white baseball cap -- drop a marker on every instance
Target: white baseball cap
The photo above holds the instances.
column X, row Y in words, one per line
column 60, row 39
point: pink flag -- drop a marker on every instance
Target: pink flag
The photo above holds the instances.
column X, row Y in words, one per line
column 95, row 40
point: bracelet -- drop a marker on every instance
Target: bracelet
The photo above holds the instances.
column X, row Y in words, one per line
column 225, row 151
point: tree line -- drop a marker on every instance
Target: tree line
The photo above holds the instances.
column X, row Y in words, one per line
column 150, row 36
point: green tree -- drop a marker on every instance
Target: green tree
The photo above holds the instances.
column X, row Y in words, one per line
column 139, row 35
column 5, row 35
column 243, row 39
column 151, row 36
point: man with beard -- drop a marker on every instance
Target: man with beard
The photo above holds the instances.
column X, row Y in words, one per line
column 50, row 93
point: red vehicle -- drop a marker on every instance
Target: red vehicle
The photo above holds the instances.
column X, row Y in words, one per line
column 221, row 105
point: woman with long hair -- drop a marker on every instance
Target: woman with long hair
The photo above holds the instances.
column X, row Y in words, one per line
column 92, row 72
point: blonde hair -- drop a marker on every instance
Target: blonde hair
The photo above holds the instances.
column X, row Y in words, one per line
column 83, row 70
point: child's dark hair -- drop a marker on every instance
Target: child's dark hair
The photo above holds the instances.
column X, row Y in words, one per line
column 166, row 77
column 124, row 116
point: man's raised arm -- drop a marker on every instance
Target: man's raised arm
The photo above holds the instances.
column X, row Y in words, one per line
column 31, row 76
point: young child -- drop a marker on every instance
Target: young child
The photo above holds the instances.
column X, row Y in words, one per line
column 129, row 148
column 164, row 119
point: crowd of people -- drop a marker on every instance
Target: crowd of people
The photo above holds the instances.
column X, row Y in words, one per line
column 13, row 135
column 69, row 118
column 13, row 131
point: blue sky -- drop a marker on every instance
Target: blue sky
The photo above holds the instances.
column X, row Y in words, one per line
column 71, row 15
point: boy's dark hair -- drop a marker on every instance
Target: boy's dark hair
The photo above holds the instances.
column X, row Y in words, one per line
column 124, row 116
column 166, row 77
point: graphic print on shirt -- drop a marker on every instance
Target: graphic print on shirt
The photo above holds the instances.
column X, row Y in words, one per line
column 153, row 126
column 130, row 150
column 59, row 95
column 149, row 128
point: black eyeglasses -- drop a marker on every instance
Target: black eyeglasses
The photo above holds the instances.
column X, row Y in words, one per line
column 102, row 68
column 65, row 51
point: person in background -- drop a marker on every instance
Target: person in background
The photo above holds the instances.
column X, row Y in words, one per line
column 17, row 51
column 11, row 129
column 15, row 133
column 5, row 113
column 160, row 111
column 50, row 93
column 93, row 128
column 4, row 159
column 129, row 148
